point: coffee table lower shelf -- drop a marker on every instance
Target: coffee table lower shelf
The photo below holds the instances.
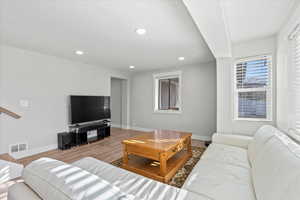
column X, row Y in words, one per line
column 151, row 169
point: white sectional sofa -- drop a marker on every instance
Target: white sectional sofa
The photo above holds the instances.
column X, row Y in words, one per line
column 266, row 167
column 9, row 170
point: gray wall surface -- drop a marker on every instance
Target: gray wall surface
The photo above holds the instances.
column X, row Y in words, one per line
column 125, row 103
column 116, row 101
column 119, row 99
column 198, row 101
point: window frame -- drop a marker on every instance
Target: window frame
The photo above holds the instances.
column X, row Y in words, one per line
column 268, row 89
column 156, row 101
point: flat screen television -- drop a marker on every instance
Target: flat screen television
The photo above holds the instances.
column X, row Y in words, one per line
column 89, row 108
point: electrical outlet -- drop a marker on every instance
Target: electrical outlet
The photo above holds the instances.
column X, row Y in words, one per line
column 24, row 103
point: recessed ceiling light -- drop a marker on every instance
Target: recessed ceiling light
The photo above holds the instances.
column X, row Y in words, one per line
column 181, row 58
column 79, row 52
column 141, row 31
column 131, row 67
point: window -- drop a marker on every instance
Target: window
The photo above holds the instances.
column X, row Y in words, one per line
column 295, row 79
column 167, row 92
column 253, row 89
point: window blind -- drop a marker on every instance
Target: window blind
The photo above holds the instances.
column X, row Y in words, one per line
column 253, row 73
column 253, row 88
column 296, row 79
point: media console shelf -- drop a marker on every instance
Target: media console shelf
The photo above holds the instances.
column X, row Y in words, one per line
column 78, row 135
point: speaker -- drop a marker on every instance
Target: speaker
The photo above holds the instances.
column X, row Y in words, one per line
column 66, row 140
column 107, row 131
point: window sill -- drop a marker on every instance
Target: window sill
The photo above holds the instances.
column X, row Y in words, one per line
column 167, row 112
column 252, row 120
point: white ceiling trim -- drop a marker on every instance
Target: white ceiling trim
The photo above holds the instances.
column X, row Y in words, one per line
column 209, row 16
column 227, row 29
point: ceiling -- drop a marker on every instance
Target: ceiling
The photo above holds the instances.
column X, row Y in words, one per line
column 105, row 31
column 253, row 19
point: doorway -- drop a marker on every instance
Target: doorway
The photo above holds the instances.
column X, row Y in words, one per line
column 119, row 102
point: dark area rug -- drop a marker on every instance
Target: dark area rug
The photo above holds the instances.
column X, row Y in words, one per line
column 182, row 174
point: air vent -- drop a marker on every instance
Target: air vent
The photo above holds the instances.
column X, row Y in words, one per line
column 22, row 147
column 15, row 148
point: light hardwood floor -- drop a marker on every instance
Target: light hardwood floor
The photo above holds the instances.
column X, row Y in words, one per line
column 108, row 149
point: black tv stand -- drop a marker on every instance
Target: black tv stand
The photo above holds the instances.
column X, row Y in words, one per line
column 79, row 134
column 101, row 128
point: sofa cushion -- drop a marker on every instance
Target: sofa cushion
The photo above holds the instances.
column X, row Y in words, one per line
column 294, row 134
column 223, row 173
column 220, row 181
column 132, row 183
column 241, row 141
column 227, row 154
column 261, row 137
column 52, row 179
column 276, row 170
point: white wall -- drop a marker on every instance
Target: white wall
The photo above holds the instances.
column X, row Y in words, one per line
column 125, row 123
column 284, row 116
column 225, row 66
column 45, row 81
column 198, row 102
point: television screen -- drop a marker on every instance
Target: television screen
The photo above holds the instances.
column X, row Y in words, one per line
column 89, row 108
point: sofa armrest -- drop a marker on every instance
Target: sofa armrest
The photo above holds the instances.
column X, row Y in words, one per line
column 233, row 140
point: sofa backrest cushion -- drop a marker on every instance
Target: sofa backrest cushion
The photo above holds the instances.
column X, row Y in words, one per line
column 52, row 179
column 276, row 169
column 294, row 134
column 261, row 137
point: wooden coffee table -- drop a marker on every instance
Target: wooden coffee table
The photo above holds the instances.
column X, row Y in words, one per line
column 157, row 155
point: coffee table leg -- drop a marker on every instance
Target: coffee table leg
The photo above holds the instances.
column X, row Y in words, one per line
column 125, row 155
column 163, row 164
column 189, row 146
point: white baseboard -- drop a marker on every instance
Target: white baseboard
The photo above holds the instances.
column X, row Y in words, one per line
column 140, row 129
column 116, row 125
column 34, row 151
column 123, row 126
column 201, row 137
